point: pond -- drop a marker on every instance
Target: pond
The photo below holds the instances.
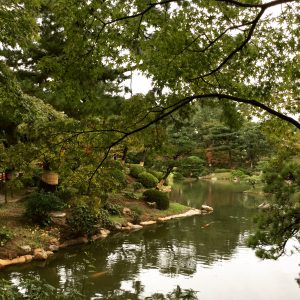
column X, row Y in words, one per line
column 206, row 254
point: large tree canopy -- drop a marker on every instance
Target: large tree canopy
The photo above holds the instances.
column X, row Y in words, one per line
column 76, row 53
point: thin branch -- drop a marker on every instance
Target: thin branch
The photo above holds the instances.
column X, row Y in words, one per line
column 254, row 23
column 236, row 50
column 211, row 43
column 248, row 5
column 139, row 14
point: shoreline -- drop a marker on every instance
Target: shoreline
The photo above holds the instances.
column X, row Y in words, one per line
column 40, row 254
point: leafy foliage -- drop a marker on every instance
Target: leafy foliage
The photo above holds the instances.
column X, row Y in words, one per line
column 159, row 175
column 191, row 166
column 147, row 180
column 161, row 199
column 5, row 235
column 281, row 221
column 119, row 178
column 87, row 221
column 137, row 186
column 39, row 204
column 136, row 170
column 65, row 56
column 113, row 209
column 34, row 288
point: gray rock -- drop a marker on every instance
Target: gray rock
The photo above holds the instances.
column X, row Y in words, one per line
column 53, row 248
column 26, row 248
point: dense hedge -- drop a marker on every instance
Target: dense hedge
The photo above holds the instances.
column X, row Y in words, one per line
column 85, row 220
column 38, row 206
column 191, row 166
column 147, row 180
column 159, row 175
column 135, row 170
column 119, row 177
column 161, row 199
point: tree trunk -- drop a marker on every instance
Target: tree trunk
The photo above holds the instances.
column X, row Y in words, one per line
column 124, row 154
column 163, row 180
column 142, row 162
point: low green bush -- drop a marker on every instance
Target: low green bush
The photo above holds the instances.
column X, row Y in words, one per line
column 136, row 217
column 221, row 170
column 238, row 173
column 131, row 195
column 66, row 194
column 191, row 166
column 161, row 199
column 119, row 177
column 137, row 186
column 93, row 202
column 147, row 180
column 38, row 206
column 113, row 209
column 115, row 164
column 178, row 176
column 5, row 235
column 136, row 170
column 159, row 175
column 87, row 221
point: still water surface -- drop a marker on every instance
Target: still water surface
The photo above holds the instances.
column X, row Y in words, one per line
column 204, row 253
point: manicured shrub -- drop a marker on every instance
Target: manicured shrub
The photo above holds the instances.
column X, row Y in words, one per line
column 93, row 202
column 131, row 195
column 38, row 206
column 191, row 166
column 136, row 216
column 147, row 180
column 135, row 170
column 119, row 177
column 5, row 235
column 178, row 176
column 161, row 199
column 115, row 164
column 85, row 220
column 237, row 173
column 157, row 174
column 113, row 209
column 66, row 194
column 137, row 186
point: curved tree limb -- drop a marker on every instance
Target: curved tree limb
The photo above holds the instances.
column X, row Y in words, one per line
column 248, row 5
column 183, row 102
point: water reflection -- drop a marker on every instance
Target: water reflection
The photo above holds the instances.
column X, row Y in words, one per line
column 203, row 253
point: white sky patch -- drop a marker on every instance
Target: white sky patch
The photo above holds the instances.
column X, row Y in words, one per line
column 138, row 82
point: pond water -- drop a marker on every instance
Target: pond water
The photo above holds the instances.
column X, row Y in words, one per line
column 204, row 253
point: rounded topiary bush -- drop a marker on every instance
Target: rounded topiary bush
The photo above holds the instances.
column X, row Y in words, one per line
column 119, row 177
column 159, row 175
column 147, row 180
column 136, row 170
column 137, row 186
column 85, row 220
column 38, row 206
column 161, row 199
column 191, row 166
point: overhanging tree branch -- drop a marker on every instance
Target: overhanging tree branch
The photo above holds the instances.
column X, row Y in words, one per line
column 183, row 102
column 237, row 49
column 248, row 5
